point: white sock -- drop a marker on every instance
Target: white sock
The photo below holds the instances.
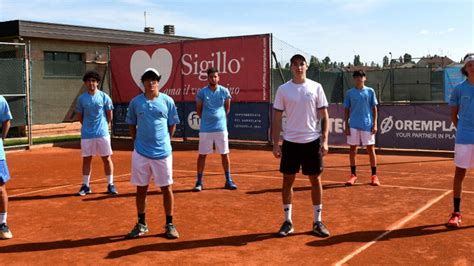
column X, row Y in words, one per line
column 287, row 210
column 318, row 210
column 110, row 179
column 3, row 217
column 86, row 179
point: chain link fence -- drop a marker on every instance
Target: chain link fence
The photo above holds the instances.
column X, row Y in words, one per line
column 14, row 86
column 392, row 85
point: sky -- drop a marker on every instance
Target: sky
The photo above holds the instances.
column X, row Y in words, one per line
column 339, row 29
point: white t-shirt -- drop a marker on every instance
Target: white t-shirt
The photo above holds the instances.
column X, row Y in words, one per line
column 300, row 104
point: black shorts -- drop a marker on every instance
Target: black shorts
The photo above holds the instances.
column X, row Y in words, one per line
column 301, row 155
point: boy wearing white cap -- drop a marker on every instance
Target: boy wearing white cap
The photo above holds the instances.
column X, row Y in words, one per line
column 462, row 115
column 152, row 119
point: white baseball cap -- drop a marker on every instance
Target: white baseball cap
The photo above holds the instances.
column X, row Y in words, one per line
column 152, row 70
column 469, row 58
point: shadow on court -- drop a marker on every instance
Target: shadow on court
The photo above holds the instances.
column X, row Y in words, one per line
column 367, row 236
column 236, row 241
column 42, row 197
column 307, row 188
column 150, row 193
column 63, row 244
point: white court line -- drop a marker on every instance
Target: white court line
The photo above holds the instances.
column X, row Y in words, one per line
column 58, row 187
column 331, row 181
column 192, row 171
column 392, row 228
column 338, row 168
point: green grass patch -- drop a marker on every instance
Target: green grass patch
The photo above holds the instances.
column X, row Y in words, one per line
column 41, row 140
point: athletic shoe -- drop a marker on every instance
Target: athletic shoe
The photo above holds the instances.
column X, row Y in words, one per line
column 374, row 181
column 351, row 180
column 84, row 190
column 197, row 187
column 455, row 220
column 171, row 232
column 320, row 229
column 286, row 229
column 230, row 185
column 111, row 189
column 138, row 230
column 5, row 232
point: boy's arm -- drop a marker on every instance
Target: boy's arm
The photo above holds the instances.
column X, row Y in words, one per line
column 5, row 128
column 375, row 116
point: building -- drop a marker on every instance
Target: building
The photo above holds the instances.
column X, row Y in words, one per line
column 434, row 62
column 60, row 54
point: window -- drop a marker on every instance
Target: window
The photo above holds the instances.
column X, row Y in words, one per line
column 63, row 64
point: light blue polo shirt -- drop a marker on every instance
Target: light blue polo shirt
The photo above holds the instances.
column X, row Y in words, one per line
column 152, row 118
column 360, row 102
column 463, row 97
column 5, row 115
column 214, row 117
column 93, row 109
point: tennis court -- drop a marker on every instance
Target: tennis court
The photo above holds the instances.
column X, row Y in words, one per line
column 401, row 222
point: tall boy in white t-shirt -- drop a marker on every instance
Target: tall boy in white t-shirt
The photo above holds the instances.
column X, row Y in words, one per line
column 305, row 139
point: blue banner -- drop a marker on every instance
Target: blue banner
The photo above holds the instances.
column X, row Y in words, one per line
column 246, row 121
column 120, row 127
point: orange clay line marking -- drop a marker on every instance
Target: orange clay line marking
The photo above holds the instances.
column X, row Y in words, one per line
column 58, row 187
column 397, row 225
column 332, row 181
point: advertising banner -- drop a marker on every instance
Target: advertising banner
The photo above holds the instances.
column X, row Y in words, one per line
column 242, row 62
column 423, row 126
column 416, row 127
column 336, row 125
column 246, row 121
column 120, row 126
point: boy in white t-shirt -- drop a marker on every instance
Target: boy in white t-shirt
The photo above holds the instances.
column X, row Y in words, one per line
column 305, row 139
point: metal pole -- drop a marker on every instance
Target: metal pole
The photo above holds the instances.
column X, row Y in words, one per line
column 28, row 94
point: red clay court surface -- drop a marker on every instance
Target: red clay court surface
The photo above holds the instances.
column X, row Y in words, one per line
column 401, row 222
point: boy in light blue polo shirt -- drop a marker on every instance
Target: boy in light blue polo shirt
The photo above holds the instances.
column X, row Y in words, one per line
column 152, row 119
column 94, row 111
column 5, row 117
column 213, row 106
column 462, row 114
column 360, row 113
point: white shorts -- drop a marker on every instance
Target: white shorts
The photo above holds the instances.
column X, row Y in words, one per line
column 143, row 169
column 360, row 137
column 210, row 142
column 464, row 155
column 96, row 146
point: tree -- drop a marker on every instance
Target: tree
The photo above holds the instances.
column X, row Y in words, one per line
column 385, row 61
column 400, row 59
column 326, row 61
column 314, row 64
column 357, row 60
column 407, row 58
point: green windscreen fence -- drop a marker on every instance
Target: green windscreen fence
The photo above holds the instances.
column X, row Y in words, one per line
column 12, row 87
